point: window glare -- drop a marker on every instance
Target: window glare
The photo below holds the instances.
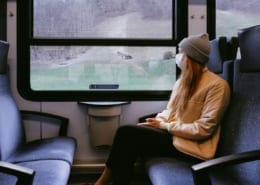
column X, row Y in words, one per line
column 102, row 19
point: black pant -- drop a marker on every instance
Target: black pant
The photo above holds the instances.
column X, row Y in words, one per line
column 132, row 142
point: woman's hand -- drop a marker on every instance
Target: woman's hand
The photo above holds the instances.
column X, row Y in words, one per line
column 153, row 122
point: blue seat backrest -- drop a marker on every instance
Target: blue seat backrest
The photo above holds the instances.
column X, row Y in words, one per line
column 222, row 56
column 217, row 55
column 241, row 123
column 11, row 129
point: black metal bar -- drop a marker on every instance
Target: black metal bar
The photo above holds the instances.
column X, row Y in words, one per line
column 3, row 22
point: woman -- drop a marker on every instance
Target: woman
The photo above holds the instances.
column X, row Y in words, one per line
column 189, row 126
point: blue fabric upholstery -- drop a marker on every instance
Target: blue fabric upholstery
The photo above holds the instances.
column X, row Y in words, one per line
column 222, row 56
column 216, row 59
column 168, row 171
column 240, row 125
column 51, row 158
column 7, row 179
column 11, row 130
column 48, row 172
column 249, row 41
column 58, row 148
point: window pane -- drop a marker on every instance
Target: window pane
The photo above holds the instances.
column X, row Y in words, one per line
column 236, row 14
column 102, row 68
column 103, row 19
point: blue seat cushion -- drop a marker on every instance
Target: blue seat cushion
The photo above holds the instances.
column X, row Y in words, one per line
column 169, row 171
column 58, row 148
column 47, row 172
column 7, row 179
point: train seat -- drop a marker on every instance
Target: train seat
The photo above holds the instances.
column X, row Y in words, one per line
column 40, row 162
column 240, row 141
column 240, row 127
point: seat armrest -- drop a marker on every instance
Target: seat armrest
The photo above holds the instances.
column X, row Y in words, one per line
column 200, row 171
column 61, row 121
column 24, row 175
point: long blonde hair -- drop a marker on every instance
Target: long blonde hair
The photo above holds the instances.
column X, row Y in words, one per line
column 189, row 79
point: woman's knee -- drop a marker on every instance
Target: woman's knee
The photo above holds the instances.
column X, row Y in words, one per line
column 126, row 129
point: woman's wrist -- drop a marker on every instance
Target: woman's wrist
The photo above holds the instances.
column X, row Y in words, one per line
column 164, row 125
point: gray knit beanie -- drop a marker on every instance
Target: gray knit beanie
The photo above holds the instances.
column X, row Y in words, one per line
column 196, row 47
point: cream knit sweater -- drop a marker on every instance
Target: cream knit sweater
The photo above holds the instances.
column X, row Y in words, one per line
column 197, row 131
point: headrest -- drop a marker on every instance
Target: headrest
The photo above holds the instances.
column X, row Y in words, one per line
column 249, row 42
column 4, row 47
column 218, row 47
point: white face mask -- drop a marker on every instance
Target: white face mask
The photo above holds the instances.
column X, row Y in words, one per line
column 179, row 60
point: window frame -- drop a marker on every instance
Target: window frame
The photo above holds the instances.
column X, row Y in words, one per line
column 25, row 40
column 3, row 21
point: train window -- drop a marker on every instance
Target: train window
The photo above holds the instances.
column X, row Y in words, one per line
column 101, row 67
column 234, row 15
column 98, row 50
column 102, row 19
